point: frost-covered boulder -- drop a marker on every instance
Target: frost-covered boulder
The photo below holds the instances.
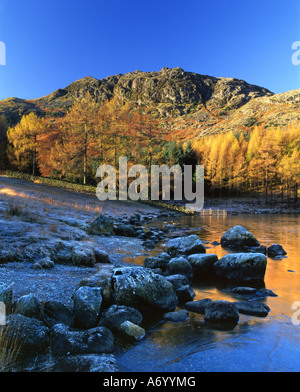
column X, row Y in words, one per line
column 87, row 304
column 142, row 289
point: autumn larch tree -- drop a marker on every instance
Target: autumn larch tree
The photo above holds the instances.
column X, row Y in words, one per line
column 77, row 136
column 24, row 137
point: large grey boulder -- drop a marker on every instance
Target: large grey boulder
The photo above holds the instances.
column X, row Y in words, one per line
column 142, row 289
column 241, row 267
column 185, row 246
column 87, row 305
column 238, row 237
column 202, row 264
column 65, row 340
column 26, row 335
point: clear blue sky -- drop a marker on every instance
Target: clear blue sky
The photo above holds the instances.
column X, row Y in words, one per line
column 50, row 44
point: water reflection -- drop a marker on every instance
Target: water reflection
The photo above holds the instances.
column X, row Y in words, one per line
column 256, row 344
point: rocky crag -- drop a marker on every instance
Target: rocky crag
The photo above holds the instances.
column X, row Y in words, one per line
column 190, row 105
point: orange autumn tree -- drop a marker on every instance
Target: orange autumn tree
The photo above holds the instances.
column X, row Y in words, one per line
column 266, row 159
column 70, row 154
column 113, row 128
column 25, row 139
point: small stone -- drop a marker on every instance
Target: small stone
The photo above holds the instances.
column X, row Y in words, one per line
column 132, row 330
column 244, row 290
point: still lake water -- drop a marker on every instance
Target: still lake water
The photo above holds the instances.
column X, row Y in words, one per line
column 270, row 344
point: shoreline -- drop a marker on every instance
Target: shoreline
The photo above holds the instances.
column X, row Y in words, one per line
column 232, row 205
column 39, row 221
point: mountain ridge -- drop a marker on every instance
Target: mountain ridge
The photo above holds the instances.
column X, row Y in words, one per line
column 191, row 104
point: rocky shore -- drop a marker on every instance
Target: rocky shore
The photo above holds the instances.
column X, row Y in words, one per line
column 71, row 299
column 110, row 304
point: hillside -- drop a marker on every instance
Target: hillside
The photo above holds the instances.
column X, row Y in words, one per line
column 190, row 104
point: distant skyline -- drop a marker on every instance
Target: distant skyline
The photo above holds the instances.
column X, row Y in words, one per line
column 51, row 44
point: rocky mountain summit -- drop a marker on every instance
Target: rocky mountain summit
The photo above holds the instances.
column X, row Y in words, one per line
column 189, row 104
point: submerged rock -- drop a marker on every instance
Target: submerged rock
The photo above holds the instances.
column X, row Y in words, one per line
column 142, row 289
column 244, row 290
column 253, row 308
column 243, row 267
column 276, row 250
column 221, row 315
column 238, row 237
column 198, row 306
column 179, row 315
